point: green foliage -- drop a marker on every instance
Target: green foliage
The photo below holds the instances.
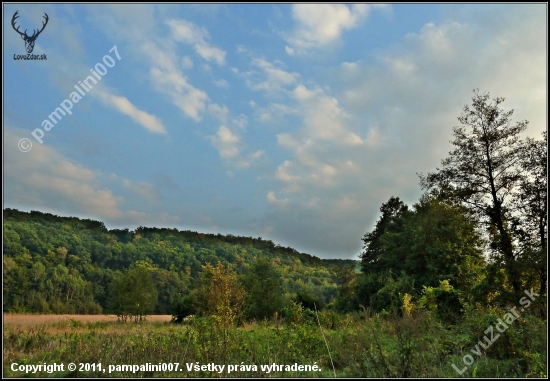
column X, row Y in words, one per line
column 413, row 249
column 374, row 251
column 264, row 287
column 308, row 301
column 531, row 228
column 384, row 291
column 183, row 306
column 408, row 305
column 502, row 181
column 220, row 295
column 410, row 346
column 293, row 313
column 330, row 319
column 445, row 300
column 66, row 265
column 133, row 294
column 346, row 277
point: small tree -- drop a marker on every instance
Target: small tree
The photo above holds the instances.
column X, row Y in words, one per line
column 264, row 287
column 134, row 294
column 182, row 307
column 220, row 294
column 346, row 278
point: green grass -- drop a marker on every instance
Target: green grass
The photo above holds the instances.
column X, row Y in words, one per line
column 361, row 346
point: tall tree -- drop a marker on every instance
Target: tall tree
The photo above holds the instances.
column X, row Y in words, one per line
column 483, row 172
column 432, row 242
column 532, row 204
column 437, row 242
column 373, row 249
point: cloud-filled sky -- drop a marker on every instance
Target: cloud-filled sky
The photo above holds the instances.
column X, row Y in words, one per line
column 293, row 123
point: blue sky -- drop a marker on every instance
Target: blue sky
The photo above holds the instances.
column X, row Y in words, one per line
column 289, row 122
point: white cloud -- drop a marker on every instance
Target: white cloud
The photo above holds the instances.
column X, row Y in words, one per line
column 319, row 25
column 223, row 115
column 146, row 190
column 123, row 105
column 139, row 29
column 276, row 77
column 211, row 53
column 240, row 121
column 168, row 78
column 256, row 155
column 186, row 63
column 272, row 76
column 221, row 83
column 226, row 141
column 393, row 117
column 324, row 118
column 275, row 112
column 46, row 180
column 229, row 144
column 190, row 33
column 70, row 66
column 186, row 97
column 43, row 177
column 219, row 112
column 275, row 201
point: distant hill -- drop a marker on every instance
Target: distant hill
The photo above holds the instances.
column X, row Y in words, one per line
column 56, row 264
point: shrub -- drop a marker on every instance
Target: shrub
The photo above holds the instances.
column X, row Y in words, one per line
column 293, row 313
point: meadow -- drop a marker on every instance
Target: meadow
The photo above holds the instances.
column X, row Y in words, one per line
column 28, row 320
column 361, row 345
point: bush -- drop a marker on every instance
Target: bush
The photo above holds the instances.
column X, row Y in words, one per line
column 309, row 301
column 330, row 319
column 182, row 307
column 444, row 300
column 293, row 313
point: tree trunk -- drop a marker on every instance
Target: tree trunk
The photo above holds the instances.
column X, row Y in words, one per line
column 497, row 219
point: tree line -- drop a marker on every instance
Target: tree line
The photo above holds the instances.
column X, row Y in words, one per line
column 478, row 235
column 56, row 264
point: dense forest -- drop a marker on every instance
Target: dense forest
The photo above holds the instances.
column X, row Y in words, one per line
column 58, row 264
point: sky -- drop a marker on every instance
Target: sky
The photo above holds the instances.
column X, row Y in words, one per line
column 290, row 122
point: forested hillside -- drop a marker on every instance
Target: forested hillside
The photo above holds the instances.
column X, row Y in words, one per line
column 58, row 264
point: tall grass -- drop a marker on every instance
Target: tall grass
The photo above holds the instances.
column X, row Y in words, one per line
column 361, row 346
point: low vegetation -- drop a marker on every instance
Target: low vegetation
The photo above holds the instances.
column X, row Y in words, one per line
column 361, row 345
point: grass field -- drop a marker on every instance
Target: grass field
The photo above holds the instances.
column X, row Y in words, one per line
column 35, row 320
column 360, row 346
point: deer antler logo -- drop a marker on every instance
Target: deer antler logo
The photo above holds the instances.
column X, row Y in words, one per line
column 29, row 40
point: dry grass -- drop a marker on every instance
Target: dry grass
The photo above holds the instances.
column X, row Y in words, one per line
column 26, row 320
